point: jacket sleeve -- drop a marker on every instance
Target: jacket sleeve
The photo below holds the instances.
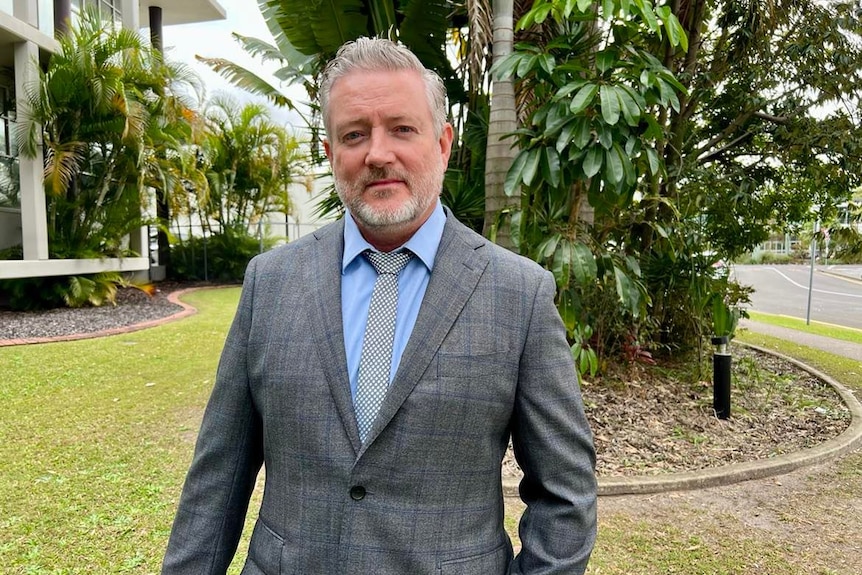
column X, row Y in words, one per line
column 553, row 445
column 227, row 458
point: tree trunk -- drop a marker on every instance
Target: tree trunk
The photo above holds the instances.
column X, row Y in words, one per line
column 503, row 119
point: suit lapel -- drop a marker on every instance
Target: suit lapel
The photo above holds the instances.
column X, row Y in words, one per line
column 326, row 322
column 458, row 266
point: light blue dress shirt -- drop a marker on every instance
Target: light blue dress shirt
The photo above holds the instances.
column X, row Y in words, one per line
column 357, row 283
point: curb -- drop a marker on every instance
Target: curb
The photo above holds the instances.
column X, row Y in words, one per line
column 840, row 276
column 186, row 311
column 847, row 441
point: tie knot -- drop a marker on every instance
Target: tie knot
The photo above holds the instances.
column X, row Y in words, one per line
column 389, row 262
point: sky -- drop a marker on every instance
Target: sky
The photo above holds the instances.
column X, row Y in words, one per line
column 214, row 40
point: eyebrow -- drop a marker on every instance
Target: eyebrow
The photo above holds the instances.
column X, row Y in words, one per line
column 363, row 122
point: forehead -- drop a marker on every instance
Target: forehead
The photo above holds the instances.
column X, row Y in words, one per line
column 364, row 95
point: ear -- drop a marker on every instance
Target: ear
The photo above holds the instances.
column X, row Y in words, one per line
column 446, row 137
column 327, row 149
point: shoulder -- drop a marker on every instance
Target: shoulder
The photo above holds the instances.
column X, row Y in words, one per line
column 327, row 239
column 500, row 260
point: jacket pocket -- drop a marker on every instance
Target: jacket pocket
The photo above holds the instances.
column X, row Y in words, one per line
column 264, row 551
column 494, row 562
column 488, row 364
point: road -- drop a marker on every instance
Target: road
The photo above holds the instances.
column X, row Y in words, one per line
column 783, row 289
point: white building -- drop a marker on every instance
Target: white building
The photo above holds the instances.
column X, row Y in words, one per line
column 27, row 30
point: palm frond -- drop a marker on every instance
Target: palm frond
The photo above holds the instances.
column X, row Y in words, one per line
column 481, row 38
column 335, row 22
column 247, row 80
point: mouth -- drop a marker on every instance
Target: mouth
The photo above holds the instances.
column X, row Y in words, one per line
column 384, row 183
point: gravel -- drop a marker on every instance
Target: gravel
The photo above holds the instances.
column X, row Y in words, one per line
column 133, row 306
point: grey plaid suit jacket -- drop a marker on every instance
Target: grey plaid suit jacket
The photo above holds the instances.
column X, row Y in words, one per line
column 486, row 359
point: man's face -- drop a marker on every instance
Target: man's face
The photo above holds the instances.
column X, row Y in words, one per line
column 387, row 162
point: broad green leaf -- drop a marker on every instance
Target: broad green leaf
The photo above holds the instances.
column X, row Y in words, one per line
column 635, row 95
column 593, row 161
column 583, row 264
column 505, row 68
column 605, row 135
column 576, row 155
column 566, row 90
column 583, row 98
column 652, row 158
column 515, row 173
column 605, row 60
column 585, row 5
column 633, row 265
column 631, row 110
column 675, row 32
column 540, row 13
column 540, row 115
column 605, row 263
column 648, row 15
column 568, row 313
column 607, row 9
column 626, row 292
column 565, row 137
column 667, row 95
column 526, row 65
column 647, row 78
column 531, row 167
column 628, row 168
column 672, row 31
column 654, row 130
column 546, row 62
column 548, row 247
column 610, row 104
column 551, row 172
column 515, row 230
column 668, row 77
column 562, row 265
column 558, row 116
column 614, row 166
column 583, row 135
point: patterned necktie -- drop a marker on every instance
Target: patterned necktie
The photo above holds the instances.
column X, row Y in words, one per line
column 376, row 359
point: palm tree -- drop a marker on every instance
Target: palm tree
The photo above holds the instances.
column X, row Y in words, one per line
column 503, row 120
column 92, row 110
column 249, row 161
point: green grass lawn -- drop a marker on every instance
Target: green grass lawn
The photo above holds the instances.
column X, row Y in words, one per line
column 96, row 437
column 815, row 327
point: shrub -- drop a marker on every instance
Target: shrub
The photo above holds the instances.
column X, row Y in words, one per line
column 220, row 257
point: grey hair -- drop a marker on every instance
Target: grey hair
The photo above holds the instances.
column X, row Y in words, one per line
column 376, row 54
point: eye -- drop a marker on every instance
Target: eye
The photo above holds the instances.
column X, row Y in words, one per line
column 351, row 137
column 405, row 129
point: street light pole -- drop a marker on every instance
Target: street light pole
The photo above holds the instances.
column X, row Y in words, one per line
column 811, row 271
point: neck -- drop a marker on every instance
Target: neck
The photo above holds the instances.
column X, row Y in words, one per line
column 388, row 238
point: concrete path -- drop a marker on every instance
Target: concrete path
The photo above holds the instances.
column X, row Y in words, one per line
column 836, row 346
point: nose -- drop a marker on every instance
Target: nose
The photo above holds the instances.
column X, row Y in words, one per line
column 379, row 151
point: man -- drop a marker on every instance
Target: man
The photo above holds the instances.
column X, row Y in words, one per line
column 383, row 452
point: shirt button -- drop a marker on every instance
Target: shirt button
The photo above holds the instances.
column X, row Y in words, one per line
column 357, row 493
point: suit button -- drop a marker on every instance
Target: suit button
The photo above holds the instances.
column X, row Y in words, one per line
column 357, row 493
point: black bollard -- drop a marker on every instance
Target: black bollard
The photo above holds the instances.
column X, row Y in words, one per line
column 721, row 377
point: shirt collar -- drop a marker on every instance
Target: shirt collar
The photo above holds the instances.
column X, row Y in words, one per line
column 423, row 243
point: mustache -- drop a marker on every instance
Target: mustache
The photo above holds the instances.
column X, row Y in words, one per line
column 374, row 174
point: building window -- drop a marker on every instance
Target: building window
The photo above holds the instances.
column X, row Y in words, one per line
column 108, row 9
column 9, row 180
